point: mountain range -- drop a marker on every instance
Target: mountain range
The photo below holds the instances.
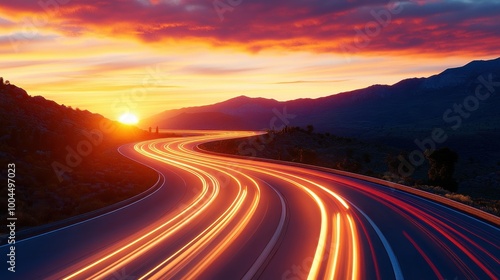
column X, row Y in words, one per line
column 409, row 108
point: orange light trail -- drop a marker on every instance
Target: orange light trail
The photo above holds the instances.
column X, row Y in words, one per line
column 316, row 267
column 228, row 197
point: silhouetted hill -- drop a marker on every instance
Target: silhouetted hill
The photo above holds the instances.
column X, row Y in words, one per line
column 36, row 124
column 65, row 159
column 204, row 120
column 230, row 114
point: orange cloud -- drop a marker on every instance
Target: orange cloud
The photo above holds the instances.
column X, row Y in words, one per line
column 336, row 27
column 90, row 55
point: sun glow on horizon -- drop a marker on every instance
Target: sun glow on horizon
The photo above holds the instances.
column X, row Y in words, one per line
column 163, row 60
column 128, row 118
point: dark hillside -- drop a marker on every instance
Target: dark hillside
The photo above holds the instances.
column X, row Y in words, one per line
column 39, row 135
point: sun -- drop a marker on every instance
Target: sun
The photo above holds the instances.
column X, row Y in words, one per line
column 128, row 118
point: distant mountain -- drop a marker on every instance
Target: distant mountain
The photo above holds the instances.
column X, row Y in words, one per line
column 205, row 120
column 409, row 107
column 231, row 114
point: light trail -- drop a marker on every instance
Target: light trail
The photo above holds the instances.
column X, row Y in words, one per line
column 322, row 242
column 238, row 218
column 354, row 252
column 183, row 216
column 336, row 228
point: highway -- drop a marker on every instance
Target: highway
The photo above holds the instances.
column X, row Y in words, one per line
column 217, row 217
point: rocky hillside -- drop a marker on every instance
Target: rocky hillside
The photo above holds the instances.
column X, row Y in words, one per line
column 66, row 159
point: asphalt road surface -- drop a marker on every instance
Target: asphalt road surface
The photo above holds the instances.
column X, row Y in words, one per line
column 215, row 217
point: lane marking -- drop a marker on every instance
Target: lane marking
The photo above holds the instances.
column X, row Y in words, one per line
column 269, row 247
column 398, row 274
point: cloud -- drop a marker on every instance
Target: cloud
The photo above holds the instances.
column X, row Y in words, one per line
column 16, row 41
column 310, row 82
column 342, row 26
column 214, row 70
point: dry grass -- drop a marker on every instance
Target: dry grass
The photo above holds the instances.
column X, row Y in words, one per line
column 491, row 206
column 460, row 198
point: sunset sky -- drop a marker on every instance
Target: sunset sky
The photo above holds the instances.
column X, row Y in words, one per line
column 146, row 56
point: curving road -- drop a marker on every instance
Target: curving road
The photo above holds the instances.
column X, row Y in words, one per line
column 215, row 217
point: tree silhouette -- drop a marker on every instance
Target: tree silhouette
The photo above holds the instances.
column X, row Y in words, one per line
column 442, row 166
column 309, row 128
